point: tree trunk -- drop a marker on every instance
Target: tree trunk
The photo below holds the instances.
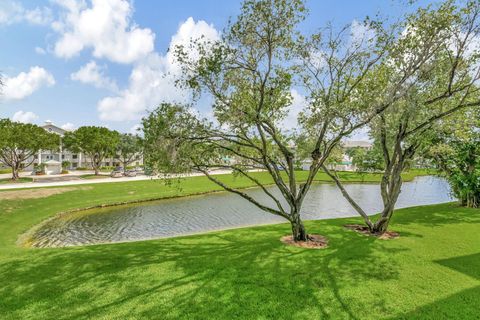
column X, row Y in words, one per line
column 471, row 201
column 381, row 225
column 15, row 174
column 96, row 170
column 299, row 232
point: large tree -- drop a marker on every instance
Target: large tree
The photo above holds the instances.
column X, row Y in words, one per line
column 456, row 151
column 20, row 142
column 97, row 143
column 249, row 75
column 446, row 83
column 129, row 149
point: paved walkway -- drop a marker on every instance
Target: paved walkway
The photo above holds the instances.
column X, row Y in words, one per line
column 75, row 180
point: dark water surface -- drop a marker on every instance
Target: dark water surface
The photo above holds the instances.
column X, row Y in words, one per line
column 188, row 215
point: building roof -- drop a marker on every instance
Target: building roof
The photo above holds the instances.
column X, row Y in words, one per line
column 356, row 143
column 50, row 127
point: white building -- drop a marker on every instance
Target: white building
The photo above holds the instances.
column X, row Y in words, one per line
column 346, row 163
column 348, row 144
column 76, row 160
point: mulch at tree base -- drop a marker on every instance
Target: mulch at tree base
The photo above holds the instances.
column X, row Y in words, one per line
column 364, row 230
column 315, row 241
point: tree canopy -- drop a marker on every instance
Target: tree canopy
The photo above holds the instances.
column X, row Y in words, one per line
column 456, row 151
column 402, row 77
column 445, row 84
column 129, row 149
column 20, row 142
column 97, row 143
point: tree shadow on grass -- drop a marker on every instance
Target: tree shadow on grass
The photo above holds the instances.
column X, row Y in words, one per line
column 462, row 305
column 436, row 215
column 246, row 273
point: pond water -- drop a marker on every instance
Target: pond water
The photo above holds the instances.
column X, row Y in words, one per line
column 189, row 215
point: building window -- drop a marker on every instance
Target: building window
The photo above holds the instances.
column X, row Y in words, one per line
column 63, row 156
column 74, row 156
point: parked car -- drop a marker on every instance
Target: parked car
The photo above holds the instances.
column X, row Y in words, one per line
column 116, row 174
column 130, row 173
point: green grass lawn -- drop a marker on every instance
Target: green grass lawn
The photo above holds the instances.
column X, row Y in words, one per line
column 431, row 272
column 93, row 176
column 19, row 180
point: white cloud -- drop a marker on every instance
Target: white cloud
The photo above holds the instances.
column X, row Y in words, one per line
column 106, row 27
column 298, row 104
column 68, row 126
column 10, row 12
column 40, row 50
column 91, row 73
column 152, row 79
column 136, row 129
column 13, row 12
column 26, row 83
column 40, row 16
column 360, row 33
column 24, row 117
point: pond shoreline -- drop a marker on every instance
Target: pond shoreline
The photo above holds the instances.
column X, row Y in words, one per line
column 24, row 237
column 179, row 227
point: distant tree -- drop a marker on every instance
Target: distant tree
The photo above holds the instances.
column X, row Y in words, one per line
column 97, row 143
column 444, row 85
column 20, row 142
column 367, row 159
column 66, row 164
column 129, row 149
column 456, row 152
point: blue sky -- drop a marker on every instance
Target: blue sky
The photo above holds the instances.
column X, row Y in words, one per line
column 103, row 62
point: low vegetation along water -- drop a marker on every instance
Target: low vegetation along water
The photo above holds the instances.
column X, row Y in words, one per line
column 217, row 211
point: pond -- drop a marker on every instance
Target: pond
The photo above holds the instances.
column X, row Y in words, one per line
column 216, row 211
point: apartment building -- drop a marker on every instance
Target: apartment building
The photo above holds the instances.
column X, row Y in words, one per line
column 76, row 160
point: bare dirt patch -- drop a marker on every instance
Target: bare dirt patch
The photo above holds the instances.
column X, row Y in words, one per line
column 37, row 193
column 315, row 241
column 365, row 231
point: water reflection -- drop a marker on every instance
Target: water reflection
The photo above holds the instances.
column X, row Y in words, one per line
column 219, row 211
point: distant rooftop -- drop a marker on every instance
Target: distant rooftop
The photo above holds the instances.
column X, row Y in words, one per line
column 50, row 127
column 356, row 143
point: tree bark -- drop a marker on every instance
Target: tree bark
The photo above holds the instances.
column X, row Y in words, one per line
column 381, row 225
column 299, row 233
column 391, row 188
column 471, row 201
column 15, row 174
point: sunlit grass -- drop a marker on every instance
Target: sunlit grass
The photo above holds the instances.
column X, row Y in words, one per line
column 431, row 272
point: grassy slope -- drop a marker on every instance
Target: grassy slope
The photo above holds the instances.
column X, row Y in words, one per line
column 432, row 271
